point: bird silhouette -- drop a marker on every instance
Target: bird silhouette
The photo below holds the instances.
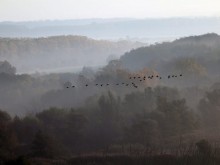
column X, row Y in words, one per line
column 132, row 83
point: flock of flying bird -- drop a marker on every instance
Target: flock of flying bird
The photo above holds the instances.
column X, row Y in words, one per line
column 134, row 78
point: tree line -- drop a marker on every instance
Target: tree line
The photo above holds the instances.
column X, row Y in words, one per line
column 156, row 117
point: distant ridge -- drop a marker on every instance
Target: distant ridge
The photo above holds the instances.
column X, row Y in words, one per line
column 152, row 30
column 201, row 38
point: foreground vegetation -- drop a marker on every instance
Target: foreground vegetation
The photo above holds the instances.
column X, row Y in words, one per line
column 156, row 127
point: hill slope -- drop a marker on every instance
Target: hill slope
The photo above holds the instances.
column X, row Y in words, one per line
column 204, row 50
column 56, row 53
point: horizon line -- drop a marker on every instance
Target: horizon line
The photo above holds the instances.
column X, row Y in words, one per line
column 111, row 18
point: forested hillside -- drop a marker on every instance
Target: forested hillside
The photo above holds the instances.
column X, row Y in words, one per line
column 60, row 53
column 203, row 51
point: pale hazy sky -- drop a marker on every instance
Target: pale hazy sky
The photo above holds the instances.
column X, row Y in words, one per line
column 20, row 10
